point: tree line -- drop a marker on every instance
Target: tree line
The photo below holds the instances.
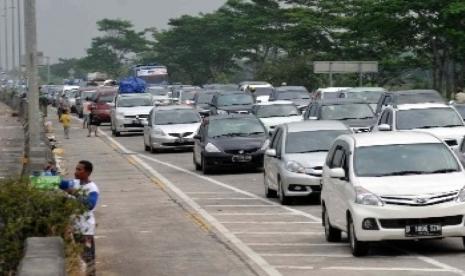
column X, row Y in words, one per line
column 417, row 43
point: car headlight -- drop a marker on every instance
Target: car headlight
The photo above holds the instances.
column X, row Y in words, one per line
column 295, row 167
column 265, row 145
column 365, row 197
column 461, row 195
column 159, row 132
column 222, row 112
column 211, row 148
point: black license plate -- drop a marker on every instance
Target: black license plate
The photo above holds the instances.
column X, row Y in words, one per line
column 242, row 158
column 423, row 230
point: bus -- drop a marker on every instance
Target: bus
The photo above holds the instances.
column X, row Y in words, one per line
column 152, row 74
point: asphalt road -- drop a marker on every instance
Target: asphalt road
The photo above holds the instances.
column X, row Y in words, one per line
column 284, row 240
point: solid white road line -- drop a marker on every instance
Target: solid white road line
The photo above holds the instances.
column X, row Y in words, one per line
column 296, row 244
column 269, row 222
column 223, row 198
column 239, row 206
column 256, row 214
column 307, row 233
column 212, row 193
column 306, row 255
column 252, row 255
column 224, row 185
column 364, row 268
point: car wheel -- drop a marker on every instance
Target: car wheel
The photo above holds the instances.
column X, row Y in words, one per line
column 331, row 234
column 357, row 247
column 117, row 133
column 197, row 166
column 206, row 169
column 285, row 200
column 269, row 193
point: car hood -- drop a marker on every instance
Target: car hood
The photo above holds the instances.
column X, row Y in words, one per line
column 359, row 122
column 308, row 160
column 136, row 110
column 446, row 132
column 236, row 108
column 413, row 184
column 270, row 122
column 300, row 102
column 239, row 143
column 181, row 128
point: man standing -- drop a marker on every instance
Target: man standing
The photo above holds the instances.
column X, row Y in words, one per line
column 86, row 112
column 87, row 192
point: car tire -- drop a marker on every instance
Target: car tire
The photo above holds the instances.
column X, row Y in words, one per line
column 283, row 199
column 357, row 247
column 269, row 193
column 197, row 166
column 331, row 234
column 117, row 133
column 206, row 169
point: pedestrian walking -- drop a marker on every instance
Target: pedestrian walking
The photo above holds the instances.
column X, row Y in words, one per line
column 86, row 191
column 65, row 119
column 93, row 124
column 86, row 112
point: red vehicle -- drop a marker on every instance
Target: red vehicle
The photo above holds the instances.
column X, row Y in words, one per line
column 103, row 102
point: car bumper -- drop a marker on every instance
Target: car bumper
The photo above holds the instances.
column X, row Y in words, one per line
column 392, row 220
column 300, row 184
column 168, row 142
column 102, row 116
column 222, row 159
column 129, row 124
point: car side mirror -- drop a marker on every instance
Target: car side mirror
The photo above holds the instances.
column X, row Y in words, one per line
column 270, row 153
column 337, row 173
column 384, row 127
column 197, row 137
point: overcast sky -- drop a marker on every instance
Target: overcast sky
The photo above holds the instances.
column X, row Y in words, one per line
column 66, row 27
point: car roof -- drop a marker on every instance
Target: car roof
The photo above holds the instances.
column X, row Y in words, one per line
column 174, row 107
column 313, row 125
column 231, row 116
column 275, row 103
column 419, row 91
column 365, row 89
column 332, row 89
column 134, row 95
column 392, row 138
column 420, row 106
column 221, row 93
column 341, row 101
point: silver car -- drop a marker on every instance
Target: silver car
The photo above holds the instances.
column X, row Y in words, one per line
column 171, row 127
column 294, row 161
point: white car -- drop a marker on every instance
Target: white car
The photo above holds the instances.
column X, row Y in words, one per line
column 328, row 93
column 171, row 127
column 392, row 186
column 440, row 120
column 276, row 113
column 130, row 112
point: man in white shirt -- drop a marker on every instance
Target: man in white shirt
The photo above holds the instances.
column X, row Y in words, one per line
column 86, row 112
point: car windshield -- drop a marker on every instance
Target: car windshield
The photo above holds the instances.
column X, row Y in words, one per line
column 106, row 99
column 176, row 117
column 205, row 98
column 292, row 95
column 422, row 97
column 311, row 141
column 428, row 118
column 235, row 127
column 263, row 91
column 346, row 112
column 132, row 102
column 188, row 95
column 409, row 159
column 158, row 92
column 235, row 99
column 461, row 110
column 367, row 96
column 277, row 110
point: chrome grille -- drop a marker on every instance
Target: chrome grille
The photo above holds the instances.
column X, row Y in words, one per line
column 421, row 200
column 179, row 135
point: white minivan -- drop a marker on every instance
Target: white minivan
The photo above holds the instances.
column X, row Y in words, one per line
column 392, row 186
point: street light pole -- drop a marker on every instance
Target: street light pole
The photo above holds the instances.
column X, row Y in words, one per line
column 13, row 39
column 30, row 31
column 20, row 38
column 48, row 69
column 5, row 9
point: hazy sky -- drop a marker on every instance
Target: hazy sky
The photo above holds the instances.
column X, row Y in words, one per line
column 66, row 27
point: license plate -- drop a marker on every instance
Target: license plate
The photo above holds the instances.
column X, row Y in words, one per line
column 241, row 158
column 180, row 141
column 423, row 230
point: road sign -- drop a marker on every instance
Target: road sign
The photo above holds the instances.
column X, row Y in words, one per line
column 345, row 67
column 341, row 67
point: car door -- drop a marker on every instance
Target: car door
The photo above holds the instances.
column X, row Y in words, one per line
column 345, row 190
column 272, row 163
column 199, row 143
column 335, row 187
column 148, row 128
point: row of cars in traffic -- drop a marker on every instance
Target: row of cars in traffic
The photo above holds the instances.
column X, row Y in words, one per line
column 388, row 165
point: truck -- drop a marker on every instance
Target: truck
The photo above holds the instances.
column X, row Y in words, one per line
column 152, row 74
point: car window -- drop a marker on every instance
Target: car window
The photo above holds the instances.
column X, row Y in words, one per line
column 336, row 161
column 427, row 118
column 383, row 119
column 176, row 117
column 234, row 99
column 278, row 110
column 231, row 127
column 311, row 141
column 346, row 111
column 278, row 133
column 134, row 101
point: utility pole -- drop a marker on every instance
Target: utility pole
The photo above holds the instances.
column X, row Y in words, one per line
column 20, row 38
column 48, row 69
column 30, row 34
column 5, row 9
column 13, row 39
